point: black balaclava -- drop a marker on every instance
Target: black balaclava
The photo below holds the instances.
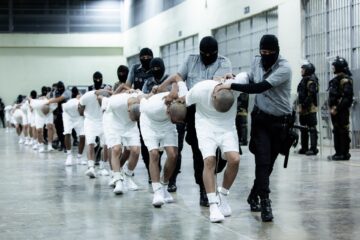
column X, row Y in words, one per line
column 19, row 99
column 122, row 73
column 269, row 42
column 145, row 63
column 74, row 92
column 341, row 66
column 157, row 68
column 60, row 87
column 98, row 80
column 33, row 94
column 44, row 91
column 208, row 50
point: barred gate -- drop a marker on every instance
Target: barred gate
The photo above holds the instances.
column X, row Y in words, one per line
column 332, row 28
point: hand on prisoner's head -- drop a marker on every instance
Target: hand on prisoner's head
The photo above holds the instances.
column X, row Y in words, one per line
column 168, row 99
column 154, row 89
column 221, row 86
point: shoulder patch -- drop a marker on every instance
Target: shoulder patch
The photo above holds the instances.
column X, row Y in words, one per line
column 344, row 80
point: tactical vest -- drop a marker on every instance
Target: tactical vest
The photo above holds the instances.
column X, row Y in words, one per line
column 140, row 77
column 304, row 92
column 336, row 89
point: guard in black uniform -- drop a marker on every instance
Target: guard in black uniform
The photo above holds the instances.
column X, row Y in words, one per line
column 138, row 75
column 242, row 119
column 340, row 100
column 307, row 90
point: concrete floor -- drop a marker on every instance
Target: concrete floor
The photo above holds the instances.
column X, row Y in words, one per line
column 40, row 198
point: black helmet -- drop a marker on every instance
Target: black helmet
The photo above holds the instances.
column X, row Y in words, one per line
column 309, row 69
column 341, row 66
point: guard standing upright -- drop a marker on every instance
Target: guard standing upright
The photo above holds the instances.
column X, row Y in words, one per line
column 307, row 90
column 340, row 100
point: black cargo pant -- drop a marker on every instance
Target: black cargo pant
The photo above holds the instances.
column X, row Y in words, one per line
column 340, row 123
column 308, row 120
column 59, row 126
column 267, row 136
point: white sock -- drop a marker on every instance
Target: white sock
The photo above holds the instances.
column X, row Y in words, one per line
column 68, row 152
column 117, row 175
column 91, row 163
column 156, row 186
column 224, row 191
column 79, row 155
column 128, row 172
column 212, row 198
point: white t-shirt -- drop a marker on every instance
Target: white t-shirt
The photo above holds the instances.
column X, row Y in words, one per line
column 206, row 116
column 71, row 108
column 92, row 110
column 120, row 120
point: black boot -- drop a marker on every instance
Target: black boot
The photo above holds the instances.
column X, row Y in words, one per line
column 266, row 211
column 203, row 198
column 254, row 203
column 172, row 187
column 313, row 142
column 341, row 157
column 304, row 142
column 312, row 152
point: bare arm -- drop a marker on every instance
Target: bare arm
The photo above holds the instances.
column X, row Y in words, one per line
column 121, row 88
column 169, row 81
column 56, row 100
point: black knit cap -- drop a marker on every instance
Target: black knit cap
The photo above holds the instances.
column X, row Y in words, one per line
column 146, row 51
column 269, row 42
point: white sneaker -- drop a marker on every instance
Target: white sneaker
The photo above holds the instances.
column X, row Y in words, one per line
column 167, row 196
column 215, row 214
column 68, row 161
column 224, row 206
column 90, row 172
column 83, row 162
column 112, row 182
column 119, row 186
column 42, row 149
column 35, row 146
column 21, row 141
column 131, row 185
column 158, row 199
column 50, row 148
column 27, row 142
column 7, row 130
column 103, row 172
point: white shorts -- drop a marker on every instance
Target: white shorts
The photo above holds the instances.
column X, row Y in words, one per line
column 19, row 117
column 40, row 121
column 158, row 138
column 93, row 130
column 7, row 117
column 73, row 123
column 32, row 119
column 209, row 141
column 129, row 139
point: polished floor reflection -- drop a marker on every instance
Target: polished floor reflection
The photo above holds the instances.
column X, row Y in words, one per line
column 40, row 198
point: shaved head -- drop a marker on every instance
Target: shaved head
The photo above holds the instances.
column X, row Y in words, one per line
column 45, row 109
column 223, row 100
column 177, row 112
column 134, row 112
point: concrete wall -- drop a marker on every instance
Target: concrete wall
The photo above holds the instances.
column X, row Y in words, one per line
column 29, row 61
column 194, row 17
